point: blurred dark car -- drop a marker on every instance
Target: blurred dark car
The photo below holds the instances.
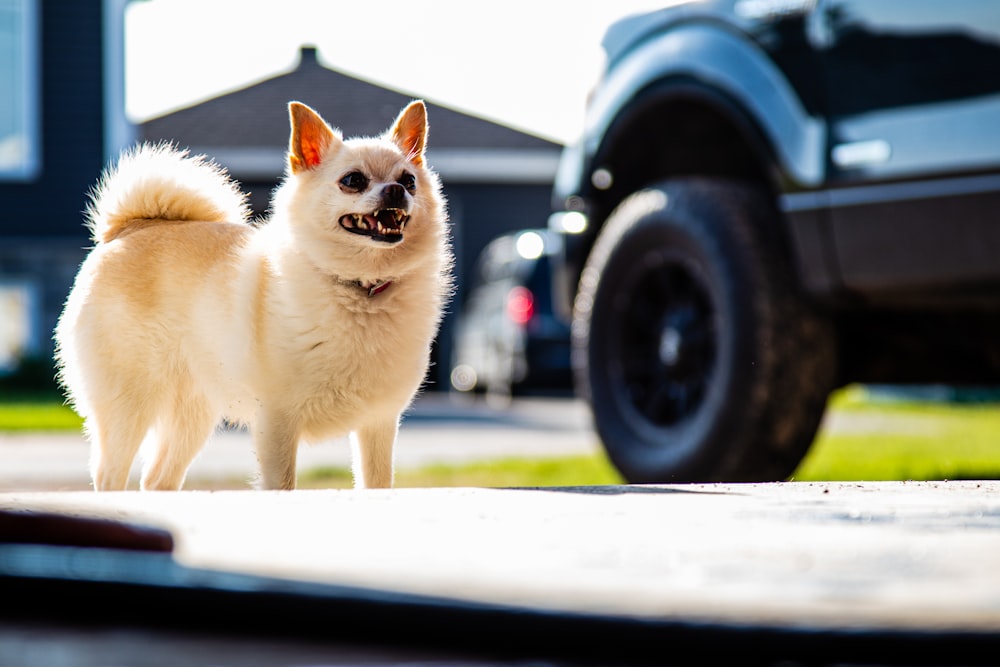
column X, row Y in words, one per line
column 507, row 338
column 773, row 199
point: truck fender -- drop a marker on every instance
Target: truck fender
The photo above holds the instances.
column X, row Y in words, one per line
column 725, row 62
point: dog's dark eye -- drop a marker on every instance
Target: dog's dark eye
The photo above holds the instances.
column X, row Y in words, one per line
column 355, row 181
column 408, row 181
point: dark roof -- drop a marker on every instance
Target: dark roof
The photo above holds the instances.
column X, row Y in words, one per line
column 257, row 116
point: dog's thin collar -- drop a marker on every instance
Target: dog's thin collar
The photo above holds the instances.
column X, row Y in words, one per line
column 377, row 287
column 371, row 289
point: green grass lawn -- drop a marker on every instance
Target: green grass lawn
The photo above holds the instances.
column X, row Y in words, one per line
column 37, row 414
column 864, row 439
column 915, row 440
column 569, row 471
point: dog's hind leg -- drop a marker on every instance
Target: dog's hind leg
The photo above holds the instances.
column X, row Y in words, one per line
column 181, row 433
column 372, row 454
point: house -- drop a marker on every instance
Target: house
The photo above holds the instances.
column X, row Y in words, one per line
column 496, row 179
column 62, row 118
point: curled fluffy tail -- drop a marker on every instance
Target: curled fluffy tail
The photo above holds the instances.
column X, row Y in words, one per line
column 157, row 182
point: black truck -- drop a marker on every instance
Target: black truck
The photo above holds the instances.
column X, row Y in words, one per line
column 772, row 199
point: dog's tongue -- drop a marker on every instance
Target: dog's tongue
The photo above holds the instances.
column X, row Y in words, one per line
column 371, row 220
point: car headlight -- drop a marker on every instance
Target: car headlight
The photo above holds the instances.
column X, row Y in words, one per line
column 568, row 222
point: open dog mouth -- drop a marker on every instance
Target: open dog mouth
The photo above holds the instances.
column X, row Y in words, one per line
column 385, row 225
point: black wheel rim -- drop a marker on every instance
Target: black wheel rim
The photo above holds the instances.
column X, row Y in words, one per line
column 665, row 345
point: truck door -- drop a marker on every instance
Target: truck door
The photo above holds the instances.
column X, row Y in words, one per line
column 912, row 92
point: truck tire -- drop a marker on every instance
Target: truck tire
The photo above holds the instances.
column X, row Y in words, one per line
column 697, row 355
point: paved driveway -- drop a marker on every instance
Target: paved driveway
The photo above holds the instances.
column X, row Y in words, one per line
column 437, row 429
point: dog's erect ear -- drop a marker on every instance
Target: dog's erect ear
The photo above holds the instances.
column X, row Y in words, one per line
column 311, row 136
column 409, row 132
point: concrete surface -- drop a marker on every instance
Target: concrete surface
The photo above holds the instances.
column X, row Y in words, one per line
column 913, row 556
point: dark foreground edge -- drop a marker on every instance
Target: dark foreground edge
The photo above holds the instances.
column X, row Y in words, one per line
column 61, row 592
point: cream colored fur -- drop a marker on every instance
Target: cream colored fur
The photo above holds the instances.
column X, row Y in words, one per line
column 185, row 312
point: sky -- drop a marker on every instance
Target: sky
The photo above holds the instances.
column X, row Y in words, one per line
column 524, row 63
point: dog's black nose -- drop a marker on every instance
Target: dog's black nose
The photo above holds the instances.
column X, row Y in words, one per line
column 394, row 196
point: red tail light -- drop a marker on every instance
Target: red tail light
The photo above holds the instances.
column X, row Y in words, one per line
column 520, row 305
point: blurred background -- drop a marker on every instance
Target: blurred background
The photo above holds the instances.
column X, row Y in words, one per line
column 506, row 86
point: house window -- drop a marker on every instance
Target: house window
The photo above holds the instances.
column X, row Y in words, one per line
column 19, row 86
column 19, row 323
